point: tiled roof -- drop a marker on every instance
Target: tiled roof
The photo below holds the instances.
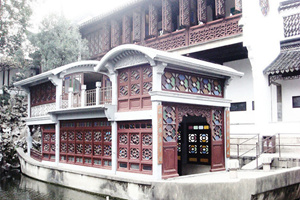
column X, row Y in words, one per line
column 118, row 8
column 288, row 60
column 286, row 5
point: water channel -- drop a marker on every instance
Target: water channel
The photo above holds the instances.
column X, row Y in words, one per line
column 19, row 187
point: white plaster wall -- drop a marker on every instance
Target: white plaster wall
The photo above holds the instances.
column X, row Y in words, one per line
column 241, row 90
column 290, row 88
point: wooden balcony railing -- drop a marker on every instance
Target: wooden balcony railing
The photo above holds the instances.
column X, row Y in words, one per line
column 195, row 35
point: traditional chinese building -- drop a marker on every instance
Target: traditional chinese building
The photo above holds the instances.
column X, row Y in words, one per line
column 154, row 100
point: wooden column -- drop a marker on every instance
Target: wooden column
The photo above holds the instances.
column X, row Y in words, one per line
column 153, row 17
column 136, row 25
column 105, row 37
column 238, row 5
column 166, row 16
column 184, row 13
column 126, row 29
column 115, row 33
column 220, row 8
column 202, row 11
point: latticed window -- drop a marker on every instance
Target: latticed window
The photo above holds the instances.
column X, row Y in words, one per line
column 189, row 83
column 42, row 94
column 135, row 146
column 86, row 142
column 135, row 83
column 48, row 142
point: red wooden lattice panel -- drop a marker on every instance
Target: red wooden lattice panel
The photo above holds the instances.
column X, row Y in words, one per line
column 135, row 147
column 134, row 86
column 86, row 142
column 48, row 142
column 42, row 94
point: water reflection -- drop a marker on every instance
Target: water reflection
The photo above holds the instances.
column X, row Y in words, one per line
column 19, row 187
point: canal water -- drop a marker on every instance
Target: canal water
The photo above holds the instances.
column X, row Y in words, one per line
column 19, row 187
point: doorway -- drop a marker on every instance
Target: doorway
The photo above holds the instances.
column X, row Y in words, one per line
column 194, row 146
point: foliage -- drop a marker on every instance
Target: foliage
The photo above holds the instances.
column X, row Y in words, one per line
column 58, row 43
column 15, row 15
column 12, row 129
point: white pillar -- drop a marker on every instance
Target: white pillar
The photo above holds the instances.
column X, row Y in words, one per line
column 83, row 95
column 57, row 142
column 114, row 146
column 58, row 97
column 70, row 98
column 28, row 103
column 114, row 88
column 98, row 94
column 157, row 71
column 29, row 140
column 157, row 168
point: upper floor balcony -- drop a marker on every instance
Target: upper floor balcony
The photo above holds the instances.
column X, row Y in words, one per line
column 167, row 25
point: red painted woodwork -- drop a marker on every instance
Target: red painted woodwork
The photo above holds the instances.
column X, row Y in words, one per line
column 48, row 142
column 136, row 25
column 153, row 20
column 169, row 167
column 135, row 147
column 126, row 29
column 166, row 16
column 134, row 85
column 202, row 11
column 115, row 33
column 184, row 13
column 173, row 115
column 86, row 142
column 42, row 94
column 35, row 154
column 220, row 8
column 217, row 143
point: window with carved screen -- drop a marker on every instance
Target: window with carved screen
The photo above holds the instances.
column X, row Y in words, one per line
column 48, row 142
column 42, row 94
column 86, row 142
column 135, row 146
column 191, row 83
column 134, row 85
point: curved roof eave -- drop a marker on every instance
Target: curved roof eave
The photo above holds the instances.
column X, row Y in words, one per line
column 169, row 58
column 45, row 76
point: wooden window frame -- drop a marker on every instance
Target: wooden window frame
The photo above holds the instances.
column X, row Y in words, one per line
column 129, row 161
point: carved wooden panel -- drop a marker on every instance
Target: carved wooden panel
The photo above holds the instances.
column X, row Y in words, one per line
column 134, row 87
column 115, row 33
column 105, row 36
column 126, row 28
column 48, row 142
column 225, row 28
column 44, row 93
column 135, row 146
column 170, row 41
column 136, row 23
column 184, row 13
column 86, row 142
column 238, row 5
column 166, row 16
column 94, row 42
column 220, row 8
column 153, row 17
column 202, row 11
